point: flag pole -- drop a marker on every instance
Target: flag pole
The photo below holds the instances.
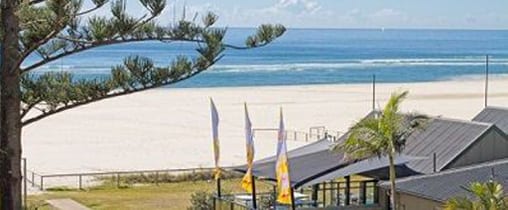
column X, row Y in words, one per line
column 254, row 201
column 486, row 80
column 219, row 187
column 293, row 206
column 215, row 135
column 373, row 92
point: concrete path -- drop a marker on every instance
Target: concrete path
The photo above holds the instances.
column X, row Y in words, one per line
column 66, row 204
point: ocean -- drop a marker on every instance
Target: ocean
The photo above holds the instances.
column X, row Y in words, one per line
column 319, row 56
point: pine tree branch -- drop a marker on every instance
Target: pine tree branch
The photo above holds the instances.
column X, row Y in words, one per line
column 34, row 46
column 96, row 44
column 89, row 10
column 121, row 93
column 77, row 50
column 27, row 109
column 92, row 44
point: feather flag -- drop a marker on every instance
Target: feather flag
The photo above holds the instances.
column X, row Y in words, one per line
column 247, row 178
column 215, row 136
column 282, row 167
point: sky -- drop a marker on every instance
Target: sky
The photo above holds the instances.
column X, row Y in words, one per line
column 439, row 14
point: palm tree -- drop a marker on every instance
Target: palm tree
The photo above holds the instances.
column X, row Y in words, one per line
column 382, row 135
column 488, row 196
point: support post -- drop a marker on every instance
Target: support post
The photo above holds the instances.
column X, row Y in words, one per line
column 254, row 201
column 486, row 80
column 314, row 196
column 293, row 205
column 338, row 194
column 373, row 92
column 348, row 191
column 363, row 192
column 24, row 184
column 218, row 188
column 33, row 179
column 275, row 196
column 376, row 192
column 324, row 193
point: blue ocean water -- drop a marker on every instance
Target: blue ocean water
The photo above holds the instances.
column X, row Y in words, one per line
column 320, row 56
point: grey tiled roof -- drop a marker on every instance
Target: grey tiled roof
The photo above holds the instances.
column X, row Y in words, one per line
column 495, row 115
column 447, row 138
column 450, row 183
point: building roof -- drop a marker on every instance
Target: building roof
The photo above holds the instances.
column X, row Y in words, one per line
column 308, row 168
column 446, row 138
column 302, row 167
column 451, row 183
column 494, row 115
column 371, row 167
column 313, row 147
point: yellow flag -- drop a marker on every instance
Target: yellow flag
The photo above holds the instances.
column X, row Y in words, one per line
column 215, row 136
column 247, row 178
column 282, row 167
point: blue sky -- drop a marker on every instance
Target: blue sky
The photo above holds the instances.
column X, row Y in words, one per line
column 450, row 14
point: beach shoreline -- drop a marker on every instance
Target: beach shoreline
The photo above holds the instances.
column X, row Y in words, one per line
column 170, row 127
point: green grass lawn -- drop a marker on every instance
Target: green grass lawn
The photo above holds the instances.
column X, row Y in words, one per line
column 164, row 196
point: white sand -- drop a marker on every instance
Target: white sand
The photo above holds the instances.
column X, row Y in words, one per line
column 170, row 128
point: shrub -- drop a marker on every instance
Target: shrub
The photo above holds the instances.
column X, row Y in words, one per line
column 201, row 201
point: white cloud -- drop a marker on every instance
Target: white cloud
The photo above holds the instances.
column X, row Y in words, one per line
column 386, row 13
column 313, row 13
column 297, row 6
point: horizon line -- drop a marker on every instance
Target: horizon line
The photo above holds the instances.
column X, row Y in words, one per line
column 377, row 28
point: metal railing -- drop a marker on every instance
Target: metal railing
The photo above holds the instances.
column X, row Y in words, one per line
column 83, row 180
column 315, row 133
column 228, row 203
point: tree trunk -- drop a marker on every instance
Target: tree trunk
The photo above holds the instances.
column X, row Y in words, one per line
column 392, row 183
column 10, row 123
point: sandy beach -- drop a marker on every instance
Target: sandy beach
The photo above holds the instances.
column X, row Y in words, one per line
column 170, row 128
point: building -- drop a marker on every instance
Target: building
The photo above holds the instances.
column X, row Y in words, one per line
column 494, row 115
column 430, row 192
column 441, row 145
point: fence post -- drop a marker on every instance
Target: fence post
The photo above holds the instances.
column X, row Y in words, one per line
column 118, row 180
column 80, row 182
column 42, row 183
column 24, row 183
column 33, row 179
